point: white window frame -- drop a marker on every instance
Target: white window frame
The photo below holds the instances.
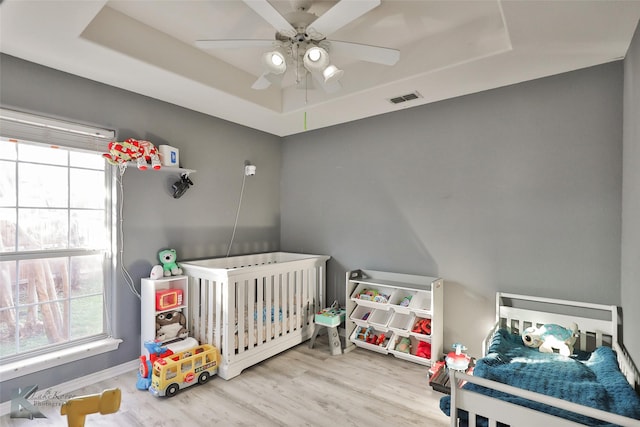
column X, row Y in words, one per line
column 33, row 128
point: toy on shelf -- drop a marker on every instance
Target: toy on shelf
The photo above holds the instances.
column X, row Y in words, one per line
column 367, row 294
column 376, row 339
column 166, row 299
column 132, row 150
column 404, row 345
column 369, row 336
column 157, row 272
column 169, row 265
column 77, row 408
column 156, row 351
column 373, row 295
column 457, row 359
column 424, row 349
column 422, row 326
column 184, row 369
column 171, row 325
column 406, row 301
column 363, row 333
column 550, row 337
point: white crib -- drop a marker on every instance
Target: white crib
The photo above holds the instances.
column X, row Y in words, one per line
column 254, row 306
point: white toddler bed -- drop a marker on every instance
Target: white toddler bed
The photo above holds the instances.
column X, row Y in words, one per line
column 254, row 306
column 598, row 326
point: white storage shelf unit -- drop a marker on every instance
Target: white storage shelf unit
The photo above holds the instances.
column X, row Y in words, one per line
column 399, row 302
column 149, row 310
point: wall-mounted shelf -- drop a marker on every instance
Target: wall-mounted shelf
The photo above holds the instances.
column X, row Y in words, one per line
column 168, row 169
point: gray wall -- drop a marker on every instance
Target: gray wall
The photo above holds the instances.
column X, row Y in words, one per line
column 198, row 225
column 630, row 276
column 517, row 189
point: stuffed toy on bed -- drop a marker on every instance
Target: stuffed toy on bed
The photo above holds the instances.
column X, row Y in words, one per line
column 550, row 337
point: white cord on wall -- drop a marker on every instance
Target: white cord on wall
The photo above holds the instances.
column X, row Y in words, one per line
column 235, row 224
column 127, row 277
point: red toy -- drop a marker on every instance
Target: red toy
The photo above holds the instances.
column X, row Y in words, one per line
column 424, row 349
column 422, row 326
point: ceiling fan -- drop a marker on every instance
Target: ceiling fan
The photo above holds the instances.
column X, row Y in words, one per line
column 301, row 42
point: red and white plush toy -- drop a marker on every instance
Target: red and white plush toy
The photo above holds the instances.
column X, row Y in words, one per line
column 142, row 152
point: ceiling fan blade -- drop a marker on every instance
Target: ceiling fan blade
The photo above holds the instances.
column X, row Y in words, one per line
column 266, row 79
column 365, row 52
column 338, row 16
column 233, row 44
column 271, row 15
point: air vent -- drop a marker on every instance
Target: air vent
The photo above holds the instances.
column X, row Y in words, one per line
column 404, row 98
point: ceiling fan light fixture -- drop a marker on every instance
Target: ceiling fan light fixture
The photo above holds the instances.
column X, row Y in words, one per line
column 332, row 74
column 275, row 62
column 316, row 59
column 314, row 54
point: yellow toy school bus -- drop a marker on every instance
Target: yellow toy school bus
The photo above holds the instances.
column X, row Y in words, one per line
column 184, row 369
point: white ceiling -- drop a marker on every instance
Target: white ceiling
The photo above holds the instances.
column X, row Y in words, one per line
column 447, row 48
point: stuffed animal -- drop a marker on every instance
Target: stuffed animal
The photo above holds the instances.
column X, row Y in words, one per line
column 550, row 337
column 129, row 150
column 170, row 325
column 168, row 259
column 404, row 345
column 149, row 155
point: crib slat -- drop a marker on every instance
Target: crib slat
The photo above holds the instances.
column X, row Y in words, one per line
column 277, row 302
column 268, row 296
column 252, row 312
column 214, row 305
column 291, row 286
column 264, row 312
column 205, row 331
column 297, row 300
column 238, row 311
column 228, row 298
column 304, row 304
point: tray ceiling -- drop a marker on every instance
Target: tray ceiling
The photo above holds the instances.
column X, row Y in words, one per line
column 447, row 49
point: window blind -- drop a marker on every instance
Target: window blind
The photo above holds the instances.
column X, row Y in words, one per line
column 30, row 127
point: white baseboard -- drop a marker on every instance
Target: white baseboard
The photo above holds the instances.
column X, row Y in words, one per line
column 84, row 381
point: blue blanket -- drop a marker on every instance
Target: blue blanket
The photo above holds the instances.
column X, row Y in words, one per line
column 591, row 379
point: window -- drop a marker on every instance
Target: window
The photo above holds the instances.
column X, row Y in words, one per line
column 56, row 231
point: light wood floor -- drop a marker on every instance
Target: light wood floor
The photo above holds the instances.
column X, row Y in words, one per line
column 300, row 387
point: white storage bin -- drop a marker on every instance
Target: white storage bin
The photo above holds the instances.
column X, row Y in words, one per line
column 401, row 323
column 420, row 333
column 401, row 299
column 412, row 355
column 380, row 318
column 372, row 296
column 360, row 315
column 362, row 334
column 421, row 302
